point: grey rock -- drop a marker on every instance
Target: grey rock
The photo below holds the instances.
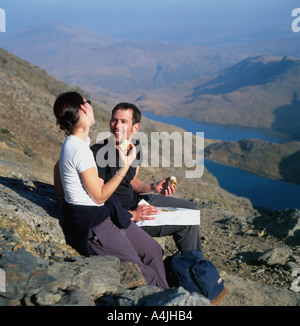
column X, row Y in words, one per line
column 295, row 286
column 46, row 297
column 291, row 265
column 243, row 292
column 95, row 274
column 34, row 203
column 275, row 256
column 283, row 224
column 128, row 297
column 18, row 266
column 75, row 296
column 177, row 296
column 131, row 275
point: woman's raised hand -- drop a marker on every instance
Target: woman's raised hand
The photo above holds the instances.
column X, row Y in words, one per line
column 128, row 156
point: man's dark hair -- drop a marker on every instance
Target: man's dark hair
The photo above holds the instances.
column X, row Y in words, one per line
column 136, row 113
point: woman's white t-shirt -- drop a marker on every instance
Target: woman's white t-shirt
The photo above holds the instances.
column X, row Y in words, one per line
column 75, row 158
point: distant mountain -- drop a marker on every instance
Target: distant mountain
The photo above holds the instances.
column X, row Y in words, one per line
column 270, row 160
column 250, row 72
column 283, row 45
column 206, row 85
column 87, row 59
column 257, row 92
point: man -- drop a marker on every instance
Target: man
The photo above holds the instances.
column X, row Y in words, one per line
column 125, row 122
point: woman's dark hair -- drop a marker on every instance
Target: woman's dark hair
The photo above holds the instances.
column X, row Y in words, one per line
column 136, row 113
column 66, row 108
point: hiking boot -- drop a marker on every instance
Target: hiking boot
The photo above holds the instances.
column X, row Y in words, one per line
column 219, row 297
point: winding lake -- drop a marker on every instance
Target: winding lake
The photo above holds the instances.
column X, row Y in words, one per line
column 273, row 194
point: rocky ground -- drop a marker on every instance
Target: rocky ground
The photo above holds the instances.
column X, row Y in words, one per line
column 255, row 254
column 250, row 246
column 256, row 251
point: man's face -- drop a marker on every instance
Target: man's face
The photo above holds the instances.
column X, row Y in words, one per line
column 121, row 125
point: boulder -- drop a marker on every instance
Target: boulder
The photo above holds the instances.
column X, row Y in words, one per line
column 275, row 256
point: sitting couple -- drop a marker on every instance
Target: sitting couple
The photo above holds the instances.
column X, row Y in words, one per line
column 101, row 203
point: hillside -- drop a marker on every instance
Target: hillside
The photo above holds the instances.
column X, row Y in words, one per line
column 256, row 92
column 42, row 270
column 29, row 133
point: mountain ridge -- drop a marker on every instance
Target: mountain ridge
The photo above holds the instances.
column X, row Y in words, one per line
column 116, row 65
column 249, row 72
column 211, row 86
column 259, row 100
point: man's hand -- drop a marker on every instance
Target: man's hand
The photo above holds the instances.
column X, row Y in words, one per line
column 144, row 212
column 163, row 188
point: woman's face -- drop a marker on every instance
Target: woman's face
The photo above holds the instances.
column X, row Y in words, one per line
column 89, row 112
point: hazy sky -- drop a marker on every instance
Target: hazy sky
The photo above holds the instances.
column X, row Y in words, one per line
column 163, row 20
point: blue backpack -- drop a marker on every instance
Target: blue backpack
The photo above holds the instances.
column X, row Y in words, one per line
column 194, row 274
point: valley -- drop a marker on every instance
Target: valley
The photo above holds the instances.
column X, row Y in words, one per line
column 227, row 69
column 254, row 84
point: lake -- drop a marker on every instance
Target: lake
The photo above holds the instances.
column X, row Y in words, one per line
column 273, row 194
column 214, row 131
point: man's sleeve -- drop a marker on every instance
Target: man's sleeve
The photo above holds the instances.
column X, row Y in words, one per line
column 139, row 154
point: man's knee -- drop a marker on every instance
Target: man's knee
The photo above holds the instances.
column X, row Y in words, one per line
column 191, row 204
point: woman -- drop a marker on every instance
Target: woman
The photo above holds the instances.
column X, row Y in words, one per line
column 94, row 221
